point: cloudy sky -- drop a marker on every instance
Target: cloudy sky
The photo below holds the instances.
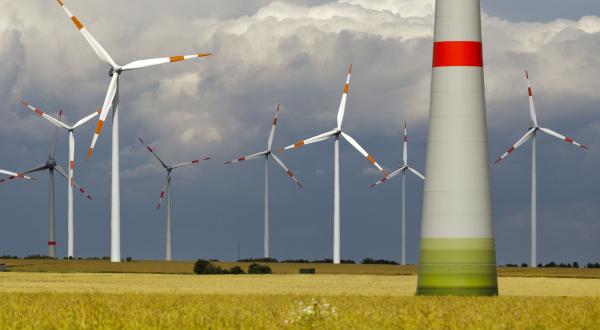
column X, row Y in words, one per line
column 295, row 53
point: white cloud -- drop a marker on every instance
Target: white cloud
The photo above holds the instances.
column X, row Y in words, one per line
column 290, row 53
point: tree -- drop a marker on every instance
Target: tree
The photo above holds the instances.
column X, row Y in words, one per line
column 259, row 269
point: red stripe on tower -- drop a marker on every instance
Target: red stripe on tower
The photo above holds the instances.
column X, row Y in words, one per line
column 51, row 243
column 457, row 53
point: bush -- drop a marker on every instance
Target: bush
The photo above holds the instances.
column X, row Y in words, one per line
column 371, row 261
column 205, row 267
column 295, row 261
column 236, row 270
column 37, row 256
column 8, row 257
column 524, row 265
column 593, row 265
column 258, row 260
column 259, row 269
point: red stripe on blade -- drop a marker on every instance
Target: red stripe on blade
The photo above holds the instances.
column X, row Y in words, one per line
column 457, row 53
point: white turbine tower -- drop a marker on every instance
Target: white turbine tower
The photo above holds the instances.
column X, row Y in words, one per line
column 51, row 165
column 266, row 155
column 112, row 101
column 167, row 190
column 531, row 134
column 70, row 129
column 337, row 133
column 402, row 170
column 13, row 175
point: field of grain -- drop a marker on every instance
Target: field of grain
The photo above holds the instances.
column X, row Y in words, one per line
column 186, row 267
column 133, row 301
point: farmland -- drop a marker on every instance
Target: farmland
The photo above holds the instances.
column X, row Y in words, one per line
column 93, row 295
column 186, row 267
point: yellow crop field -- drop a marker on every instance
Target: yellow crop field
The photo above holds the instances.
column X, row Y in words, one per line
column 134, row 301
column 186, row 267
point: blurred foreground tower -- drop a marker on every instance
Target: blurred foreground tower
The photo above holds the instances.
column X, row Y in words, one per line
column 457, row 236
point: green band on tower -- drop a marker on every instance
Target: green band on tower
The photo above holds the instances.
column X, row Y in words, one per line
column 453, row 266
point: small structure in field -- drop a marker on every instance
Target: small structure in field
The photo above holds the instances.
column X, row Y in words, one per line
column 307, row 271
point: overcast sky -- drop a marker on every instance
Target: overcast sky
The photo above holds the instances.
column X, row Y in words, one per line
column 295, row 53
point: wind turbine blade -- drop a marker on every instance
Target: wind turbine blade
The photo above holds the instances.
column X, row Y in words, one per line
column 415, row 172
column 342, row 109
column 253, row 156
column 531, row 104
column 162, row 192
column 270, row 142
column 108, row 103
column 36, row 169
column 13, row 175
column 55, row 138
column 87, row 118
column 562, row 137
column 363, row 152
column 405, row 149
column 389, row 177
column 46, row 116
column 313, row 139
column 514, row 147
column 153, row 153
column 287, row 171
column 100, row 51
column 61, row 171
column 71, row 157
column 157, row 61
column 190, row 163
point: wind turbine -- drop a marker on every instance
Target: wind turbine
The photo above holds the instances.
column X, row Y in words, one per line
column 402, row 170
column 266, row 154
column 531, row 134
column 337, row 133
column 167, row 189
column 112, row 101
column 70, row 129
column 13, row 175
column 51, row 165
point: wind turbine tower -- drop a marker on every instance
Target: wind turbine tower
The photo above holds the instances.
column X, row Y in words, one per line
column 402, row 170
column 266, row 155
column 457, row 253
column 337, row 134
column 531, row 134
column 111, row 102
column 167, row 190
